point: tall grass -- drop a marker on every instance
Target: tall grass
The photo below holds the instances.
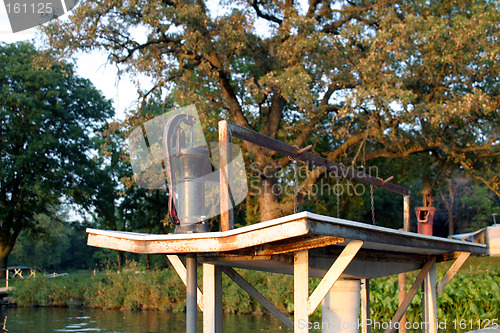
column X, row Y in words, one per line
column 474, row 294
column 129, row 289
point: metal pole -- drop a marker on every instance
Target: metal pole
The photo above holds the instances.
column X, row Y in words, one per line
column 262, row 140
column 402, row 296
column 191, row 299
column 365, row 306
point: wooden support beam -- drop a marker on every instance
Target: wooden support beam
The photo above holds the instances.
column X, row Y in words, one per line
column 181, row 271
column 226, row 207
column 402, row 296
column 411, row 293
column 402, row 276
column 292, row 245
column 212, row 298
column 365, row 305
column 240, row 281
column 406, row 213
column 289, row 150
column 301, row 291
column 333, row 274
column 452, row 272
column 430, row 300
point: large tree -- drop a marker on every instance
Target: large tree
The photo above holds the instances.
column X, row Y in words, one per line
column 359, row 79
column 121, row 204
column 49, row 119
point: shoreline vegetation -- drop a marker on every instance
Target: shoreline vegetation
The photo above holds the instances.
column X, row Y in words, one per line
column 474, row 294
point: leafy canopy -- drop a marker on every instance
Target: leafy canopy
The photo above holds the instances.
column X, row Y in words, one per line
column 49, row 119
column 360, row 80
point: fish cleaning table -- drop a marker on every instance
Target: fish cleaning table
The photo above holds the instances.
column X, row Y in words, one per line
column 305, row 245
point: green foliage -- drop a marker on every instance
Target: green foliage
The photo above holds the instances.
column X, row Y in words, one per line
column 46, row 249
column 49, row 119
column 480, row 205
column 473, row 294
column 132, row 289
column 466, row 205
column 129, row 207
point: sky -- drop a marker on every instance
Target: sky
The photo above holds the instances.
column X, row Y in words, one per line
column 93, row 66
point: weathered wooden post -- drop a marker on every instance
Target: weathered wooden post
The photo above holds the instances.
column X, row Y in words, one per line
column 226, row 211
column 301, row 292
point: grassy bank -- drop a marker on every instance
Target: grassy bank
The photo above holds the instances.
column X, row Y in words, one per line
column 474, row 294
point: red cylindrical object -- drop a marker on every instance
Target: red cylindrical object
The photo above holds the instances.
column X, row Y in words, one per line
column 425, row 219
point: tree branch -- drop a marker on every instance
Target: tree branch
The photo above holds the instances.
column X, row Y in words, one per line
column 387, row 152
column 350, row 142
column 268, row 17
column 275, row 115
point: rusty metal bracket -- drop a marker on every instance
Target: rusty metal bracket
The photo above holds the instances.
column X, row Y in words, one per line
column 300, row 151
column 387, row 180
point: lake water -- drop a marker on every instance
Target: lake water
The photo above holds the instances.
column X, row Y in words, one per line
column 42, row 320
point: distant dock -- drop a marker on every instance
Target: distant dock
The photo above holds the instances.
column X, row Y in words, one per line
column 17, row 272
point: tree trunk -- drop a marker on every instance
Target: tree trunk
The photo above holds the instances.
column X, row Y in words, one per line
column 4, row 256
column 449, row 208
column 451, row 220
column 268, row 199
column 451, row 225
column 119, row 258
column 427, row 187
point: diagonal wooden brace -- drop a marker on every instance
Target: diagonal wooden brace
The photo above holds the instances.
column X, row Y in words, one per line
column 411, row 293
column 452, row 272
column 333, row 274
column 181, row 271
column 240, row 281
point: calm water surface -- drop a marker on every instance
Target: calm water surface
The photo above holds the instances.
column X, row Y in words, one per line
column 93, row 320
column 116, row 321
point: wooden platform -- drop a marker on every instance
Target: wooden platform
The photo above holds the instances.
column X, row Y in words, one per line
column 270, row 246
